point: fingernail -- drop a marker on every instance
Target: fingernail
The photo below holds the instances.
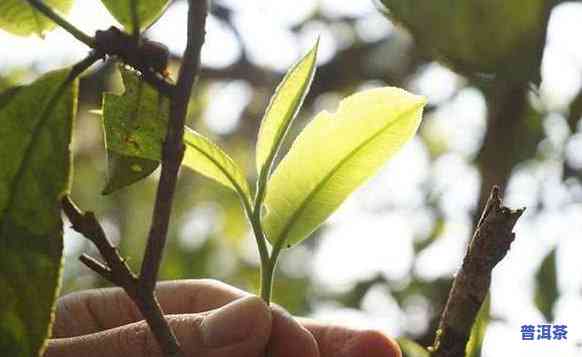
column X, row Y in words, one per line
column 233, row 323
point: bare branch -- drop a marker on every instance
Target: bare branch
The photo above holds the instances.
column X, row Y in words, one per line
column 117, row 271
column 173, row 150
column 491, row 241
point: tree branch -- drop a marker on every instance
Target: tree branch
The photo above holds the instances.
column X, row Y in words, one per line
column 491, row 241
column 62, row 22
column 118, row 272
column 142, row 290
column 105, row 48
column 173, row 150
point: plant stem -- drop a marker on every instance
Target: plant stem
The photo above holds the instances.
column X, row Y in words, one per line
column 268, row 271
column 173, row 149
column 255, row 220
column 267, row 281
column 59, row 20
column 135, row 20
column 267, row 262
column 149, row 76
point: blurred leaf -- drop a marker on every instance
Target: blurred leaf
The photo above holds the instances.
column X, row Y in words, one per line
column 528, row 136
column 575, row 111
column 291, row 293
column 475, row 343
column 283, row 108
column 20, row 18
column 353, row 298
column 235, row 227
column 333, row 155
column 148, row 11
column 412, row 349
column 125, row 170
column 35, row 132
column 496, row 37
column 135, row 126
column 436, row 233
column 546, row 292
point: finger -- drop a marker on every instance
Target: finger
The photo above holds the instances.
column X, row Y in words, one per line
column 337, row 341
column 241, row 328
column 95, row 310
column 289, row 338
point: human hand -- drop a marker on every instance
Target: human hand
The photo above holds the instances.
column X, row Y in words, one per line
column 210, row 319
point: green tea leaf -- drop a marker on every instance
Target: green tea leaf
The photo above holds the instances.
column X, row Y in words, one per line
column 35, row 132
column 412, row 349
column 282, row 109
column 333, row 155
column 20, row 18
column 135, row 126
column 148, row 11
column 206, row 158
column 475, row 343
column 546, row 291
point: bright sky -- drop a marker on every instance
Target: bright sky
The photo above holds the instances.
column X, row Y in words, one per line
column 374, row 230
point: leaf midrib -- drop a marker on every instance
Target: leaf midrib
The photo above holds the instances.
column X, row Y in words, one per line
column 290, row 115
column 317, row 188
column 237, row 187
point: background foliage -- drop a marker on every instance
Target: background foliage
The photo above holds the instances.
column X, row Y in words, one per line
column 386, row 259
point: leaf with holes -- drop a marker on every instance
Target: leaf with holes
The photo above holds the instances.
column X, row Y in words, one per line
column 35, row 132
column 135, row 126
column 333, row 155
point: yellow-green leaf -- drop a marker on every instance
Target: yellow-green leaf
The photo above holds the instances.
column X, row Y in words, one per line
column 35, row 161
column 19, row 18
column 333, row 155
column 282, row 109
column 148, row 11
column 475, row 343
column 206, row 158
column 412, row 349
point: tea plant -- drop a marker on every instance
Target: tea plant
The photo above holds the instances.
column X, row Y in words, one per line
column 143, row 127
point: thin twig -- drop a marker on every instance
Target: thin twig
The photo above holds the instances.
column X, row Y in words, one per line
column 118, row 272
column 173, row 150
column 135, row 22
column 491, row 241
column 150, row 76
column 62, row 22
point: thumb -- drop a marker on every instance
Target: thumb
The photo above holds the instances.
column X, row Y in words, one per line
column 240, row 328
